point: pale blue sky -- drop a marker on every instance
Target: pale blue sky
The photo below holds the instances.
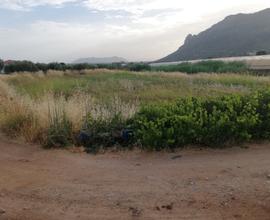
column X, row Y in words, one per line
column 64, row 30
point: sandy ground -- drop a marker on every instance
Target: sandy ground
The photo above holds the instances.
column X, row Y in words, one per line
column 38, row 184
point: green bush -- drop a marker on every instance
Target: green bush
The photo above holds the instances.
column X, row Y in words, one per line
column 216, row 122
column 262, row 130
column 229, row 119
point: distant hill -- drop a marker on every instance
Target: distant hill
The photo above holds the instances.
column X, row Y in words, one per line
column 101, row 60
column 236, row 35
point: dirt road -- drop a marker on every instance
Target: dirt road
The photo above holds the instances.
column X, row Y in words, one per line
column 38, row 184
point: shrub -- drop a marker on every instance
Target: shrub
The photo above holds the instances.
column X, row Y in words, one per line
column 262, row 130
column 59, row 133
column 161, row 126
column 229, row 119
column 102, row 132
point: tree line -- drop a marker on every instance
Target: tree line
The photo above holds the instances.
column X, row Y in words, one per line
column 28, row 66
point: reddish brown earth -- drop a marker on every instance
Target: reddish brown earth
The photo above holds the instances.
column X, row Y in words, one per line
column 38, row 184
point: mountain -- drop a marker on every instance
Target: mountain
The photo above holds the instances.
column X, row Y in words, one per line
column 102, row 60
column 236, row 35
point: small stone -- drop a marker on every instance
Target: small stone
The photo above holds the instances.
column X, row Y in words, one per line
column 224, row 204
column 168, row 207
column 237, row 216
column 268, row 176
column 2, row 211
column 176, row 157
column 24, row 160
column 135, row 212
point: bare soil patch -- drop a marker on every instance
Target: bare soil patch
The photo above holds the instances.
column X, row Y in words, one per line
column 38, row 184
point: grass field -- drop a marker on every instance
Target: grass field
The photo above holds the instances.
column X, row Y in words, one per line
column 30, row 103
column 145, row 87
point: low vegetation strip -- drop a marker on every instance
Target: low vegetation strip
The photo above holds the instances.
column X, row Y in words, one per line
column 188, row 67
column 129, row 86
column 204, row 67
column 102, row 109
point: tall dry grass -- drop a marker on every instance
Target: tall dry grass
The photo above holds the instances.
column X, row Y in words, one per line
column 30, row 119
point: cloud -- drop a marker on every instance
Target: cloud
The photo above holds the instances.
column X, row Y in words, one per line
column 47, row 41
column 167, row 13
column 51, row 41
column 27, row 4
column 134, row 29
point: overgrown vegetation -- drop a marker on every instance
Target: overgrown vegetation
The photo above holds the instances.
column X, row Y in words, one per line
column 134, row 87
column 101, row 109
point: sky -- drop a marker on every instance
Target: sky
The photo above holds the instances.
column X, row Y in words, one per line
column 137, row 30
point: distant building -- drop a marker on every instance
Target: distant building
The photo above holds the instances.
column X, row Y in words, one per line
column 7, row 62
column 251, row 54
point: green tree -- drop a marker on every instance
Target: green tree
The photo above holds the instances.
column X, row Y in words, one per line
column 58, row 66
column 1, row 64
column 21, row 66
column 261, row 53
column 42, row 67
column 137, row 67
